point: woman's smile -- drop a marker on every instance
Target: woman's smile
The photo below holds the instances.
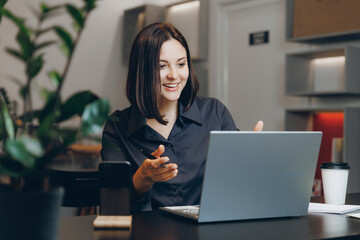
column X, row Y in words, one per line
column 174, row 70
column 171, row 86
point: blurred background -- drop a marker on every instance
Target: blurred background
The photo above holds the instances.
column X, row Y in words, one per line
column 256, row 56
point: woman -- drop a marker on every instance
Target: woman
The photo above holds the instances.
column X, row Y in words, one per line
column 166, row 119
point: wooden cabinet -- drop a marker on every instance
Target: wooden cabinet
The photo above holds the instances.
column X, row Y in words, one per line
column 322, row 21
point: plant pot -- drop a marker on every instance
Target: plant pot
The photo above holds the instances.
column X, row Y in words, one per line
column 30, row 215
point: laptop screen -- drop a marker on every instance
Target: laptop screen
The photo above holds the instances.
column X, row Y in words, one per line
column 251, row 175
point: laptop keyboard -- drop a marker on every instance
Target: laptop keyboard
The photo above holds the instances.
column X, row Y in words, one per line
column 192, row 212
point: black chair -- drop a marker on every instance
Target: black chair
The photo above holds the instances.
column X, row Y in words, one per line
column 77, row 171
column 81, row 188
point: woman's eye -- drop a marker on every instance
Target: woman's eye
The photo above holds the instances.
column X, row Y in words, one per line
column 162, row 66
column 182, row 64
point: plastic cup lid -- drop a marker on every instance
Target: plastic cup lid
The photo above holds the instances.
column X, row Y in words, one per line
column 333, row 165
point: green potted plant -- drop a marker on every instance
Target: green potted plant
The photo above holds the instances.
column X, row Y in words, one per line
column 30, row 141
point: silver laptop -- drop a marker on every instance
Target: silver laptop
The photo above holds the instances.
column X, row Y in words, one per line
column 253, row 175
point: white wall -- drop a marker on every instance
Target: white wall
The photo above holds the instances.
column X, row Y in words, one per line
column 97, row 63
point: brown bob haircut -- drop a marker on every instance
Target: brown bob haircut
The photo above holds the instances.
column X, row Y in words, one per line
column 143, row 82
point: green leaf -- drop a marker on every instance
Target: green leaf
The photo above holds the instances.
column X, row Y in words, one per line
column 47, row 11
column 24, row 91
column 46, row 125
column 68, row 136
column 76, row 26
column 44, row 44
column 90, row 5
column 47, row 130
column 65, row 49
column 76, row 104
column 47, row 94
column 2, row 4
column 94, row 117
column 66, row 38
column 8, row 122
column 24, row 41
column 55, row 78
column 75, row 14
column 45, row 8
column 20, row 22
column 16, row 54
column 18, row 151
column 10, row 167
column 47, row 117
column 11, row 105
column 2, row 128
column 35, row 65
column 47, row 110
column 32, row 145
column 42, row 31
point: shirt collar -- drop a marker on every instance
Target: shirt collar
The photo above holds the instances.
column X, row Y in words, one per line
column 193, row 113
column 137, row 120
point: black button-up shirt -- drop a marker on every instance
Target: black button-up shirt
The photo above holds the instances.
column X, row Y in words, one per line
column 126, row 132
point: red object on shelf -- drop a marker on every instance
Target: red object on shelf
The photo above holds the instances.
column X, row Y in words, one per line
column 332, row 126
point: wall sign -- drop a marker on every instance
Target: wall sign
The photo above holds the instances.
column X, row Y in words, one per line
column 258, row 37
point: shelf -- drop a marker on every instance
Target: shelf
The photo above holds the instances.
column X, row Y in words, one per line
column 328, row 38
column 325, row 72
column 342, row 31
column 136, row 19
column 187, row 16
column 303, row 120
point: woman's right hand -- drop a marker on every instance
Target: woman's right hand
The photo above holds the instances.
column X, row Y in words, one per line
column 151, row 171
column 259, row 126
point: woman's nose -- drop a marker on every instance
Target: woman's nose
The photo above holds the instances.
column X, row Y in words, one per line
column 172, row 74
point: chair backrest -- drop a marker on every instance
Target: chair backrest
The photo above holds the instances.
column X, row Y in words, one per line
column 81, row 187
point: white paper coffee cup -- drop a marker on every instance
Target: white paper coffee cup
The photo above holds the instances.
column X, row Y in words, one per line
column 335, row 179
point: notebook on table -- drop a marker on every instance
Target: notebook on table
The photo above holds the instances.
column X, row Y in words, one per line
column 254, row 175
